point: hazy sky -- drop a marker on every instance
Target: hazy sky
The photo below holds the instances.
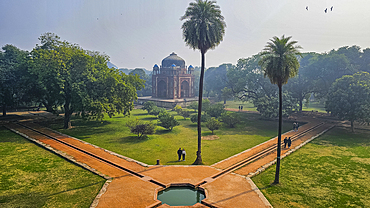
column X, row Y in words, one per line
column 140, row 33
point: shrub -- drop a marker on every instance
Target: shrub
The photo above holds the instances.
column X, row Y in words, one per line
column 185, row 114
column 215, row 110
column 148, row 106
column 230, row 119
column 155, row 111
column 194, row 106
column 213, row 124
column 178, row 109
column 204, row 118
column 140, row 128
column 167, row 121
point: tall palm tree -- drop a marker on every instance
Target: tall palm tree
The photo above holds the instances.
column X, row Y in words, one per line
column 203, row 29
column 279, row 63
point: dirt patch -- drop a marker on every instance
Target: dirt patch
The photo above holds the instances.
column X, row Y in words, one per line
column 210, row 137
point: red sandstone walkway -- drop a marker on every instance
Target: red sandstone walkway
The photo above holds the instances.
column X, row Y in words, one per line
column 129, row 190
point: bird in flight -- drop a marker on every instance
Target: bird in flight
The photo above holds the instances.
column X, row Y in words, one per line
column 326, row 10
column 307, row 8
column 331, row 9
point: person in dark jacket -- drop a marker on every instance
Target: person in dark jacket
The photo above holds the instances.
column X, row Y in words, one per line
column 285, row 142
column 179, row 153
column 289, row 142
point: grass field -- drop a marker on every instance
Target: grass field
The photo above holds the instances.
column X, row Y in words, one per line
column 235, row 105
column 315, row 106
column 331, row 171
column 112, row 134
column 31, row 176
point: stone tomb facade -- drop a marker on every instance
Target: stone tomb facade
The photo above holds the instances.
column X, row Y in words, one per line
column 172, row 80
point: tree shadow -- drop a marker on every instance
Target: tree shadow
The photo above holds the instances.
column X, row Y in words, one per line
column 132, row 139
column 149, row 118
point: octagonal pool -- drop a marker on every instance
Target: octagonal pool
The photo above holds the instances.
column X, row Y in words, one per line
column 180, row 196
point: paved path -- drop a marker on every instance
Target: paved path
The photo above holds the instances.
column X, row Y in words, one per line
column 136, row 184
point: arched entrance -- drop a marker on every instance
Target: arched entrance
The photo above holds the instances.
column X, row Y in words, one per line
column 184, row 89
column 162, row 89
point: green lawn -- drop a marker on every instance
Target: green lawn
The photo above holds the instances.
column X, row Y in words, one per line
column 315, row 106
column 235, row 104
column 112, row 134
column 331, row 171
column 31, row 176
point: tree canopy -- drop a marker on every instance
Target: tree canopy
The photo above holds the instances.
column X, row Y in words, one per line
column 80, row 81
column 349, row 98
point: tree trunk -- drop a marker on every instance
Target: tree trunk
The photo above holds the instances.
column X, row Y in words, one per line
column 199, row 161
column 300, row 103
column 4, row 109
column 67, row 112
column 352, row 127
column 277, row 173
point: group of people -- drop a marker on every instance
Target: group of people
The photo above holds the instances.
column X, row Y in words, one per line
column 181, row 153
column 287, row 141
column 295, row 126
column 240, row 107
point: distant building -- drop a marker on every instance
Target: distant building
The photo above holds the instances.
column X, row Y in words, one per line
column 172, row 80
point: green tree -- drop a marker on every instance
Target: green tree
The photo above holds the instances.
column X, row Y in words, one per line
column 178, row 109
column 80, row 81
column 349, row 98
column 213, row 124
column 140, row 128
column 194, row 118
column 148, row 106
column 279, row 63
column 155, row 111
column 203, row 29
column 13, row 72
column 229, row 118
column 215, row 110
column 185, row 114
column 167, row 121
column 226, row 93
column 194, row 106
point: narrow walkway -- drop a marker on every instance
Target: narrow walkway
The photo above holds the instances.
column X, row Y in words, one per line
column 136, row 184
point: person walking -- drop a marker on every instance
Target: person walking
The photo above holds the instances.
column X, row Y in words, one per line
column 294, row 125
column 239, row 107
column 285, row 142
column 179, row 153
column 183, row 154
column 289, row 142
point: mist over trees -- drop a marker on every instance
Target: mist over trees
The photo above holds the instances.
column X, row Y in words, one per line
column 317, row 73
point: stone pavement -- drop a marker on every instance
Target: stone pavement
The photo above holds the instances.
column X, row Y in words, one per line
column 137, row 184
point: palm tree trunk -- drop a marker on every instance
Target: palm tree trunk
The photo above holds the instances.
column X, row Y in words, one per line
column 4, row 109
column 199, row 161
column 277, row 173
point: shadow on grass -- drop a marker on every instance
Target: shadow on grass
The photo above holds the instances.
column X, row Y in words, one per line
column 149, row 118
column 174, row 161
column 140, row 114
column 131, row 139
column 83, row 129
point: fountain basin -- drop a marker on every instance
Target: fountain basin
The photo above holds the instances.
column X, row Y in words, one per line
column 181, row 196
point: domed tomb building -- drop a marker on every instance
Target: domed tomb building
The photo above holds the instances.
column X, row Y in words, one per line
column 172, row 80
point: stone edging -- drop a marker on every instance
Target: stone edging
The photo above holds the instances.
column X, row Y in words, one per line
column 264, row 167
column 247, row 150
column 62, row 154
column 258, row 191
column 101, row 192
column 110, row 152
